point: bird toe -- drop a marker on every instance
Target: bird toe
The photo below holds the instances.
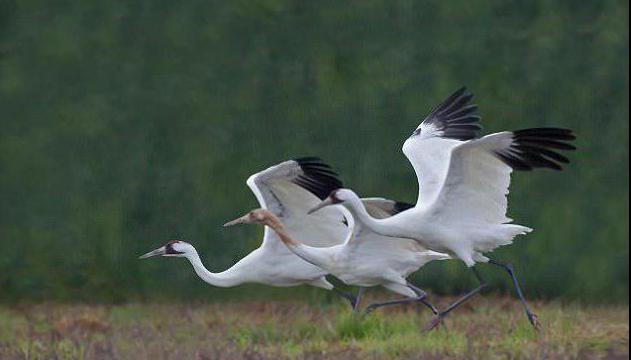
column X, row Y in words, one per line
column 534, row 320
column 436, row 321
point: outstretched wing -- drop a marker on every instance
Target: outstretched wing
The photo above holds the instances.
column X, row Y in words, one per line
column 289, row 190
column 429, row 147
column 476, row 185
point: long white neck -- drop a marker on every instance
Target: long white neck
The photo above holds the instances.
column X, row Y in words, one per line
column 223, row 279
column 380, row 226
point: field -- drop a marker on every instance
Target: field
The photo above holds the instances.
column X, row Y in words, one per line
column 494, row 328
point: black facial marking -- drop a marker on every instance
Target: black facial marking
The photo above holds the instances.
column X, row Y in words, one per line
column 334, row 198
column 169, row 250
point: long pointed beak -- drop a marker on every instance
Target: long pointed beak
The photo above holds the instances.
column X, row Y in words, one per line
column 324, row 203
column 156, row 252
column 242, row 220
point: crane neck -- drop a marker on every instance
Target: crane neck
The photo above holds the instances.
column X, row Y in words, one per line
column 225, row 278
column 361, row 215
column 279, row 228
column 315, row 256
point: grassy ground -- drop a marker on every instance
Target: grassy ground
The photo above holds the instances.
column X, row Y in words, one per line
column 494, row 328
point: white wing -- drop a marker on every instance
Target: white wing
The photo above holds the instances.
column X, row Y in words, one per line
column 476, row 185
column 369, row 253
column 430, row 145
column 289, row 190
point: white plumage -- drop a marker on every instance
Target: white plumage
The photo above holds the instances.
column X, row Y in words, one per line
column 288, row 190
column 463, row 182
column 272, row 263
column 368, row 259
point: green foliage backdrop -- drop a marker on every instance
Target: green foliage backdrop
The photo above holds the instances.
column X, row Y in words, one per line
column 126, row 124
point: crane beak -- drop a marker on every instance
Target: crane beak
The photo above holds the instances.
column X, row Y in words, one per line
column 242, row 220
column 156, row 252
column 324, row 203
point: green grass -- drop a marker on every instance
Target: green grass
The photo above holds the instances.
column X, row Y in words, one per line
column 490, row 328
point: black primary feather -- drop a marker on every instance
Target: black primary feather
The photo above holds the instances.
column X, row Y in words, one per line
column 317, row 177
column 537, row 148
column 455, row 117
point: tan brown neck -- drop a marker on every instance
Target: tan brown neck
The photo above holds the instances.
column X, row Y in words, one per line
column 275, row 224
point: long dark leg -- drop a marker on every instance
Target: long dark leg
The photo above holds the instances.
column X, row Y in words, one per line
column 421, row 297
column 348, row 296
column 358, row 300
column 469, row 295
column 510, row 269
column 439, row 317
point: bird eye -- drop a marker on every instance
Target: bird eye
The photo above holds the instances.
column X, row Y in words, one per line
column 416, row 132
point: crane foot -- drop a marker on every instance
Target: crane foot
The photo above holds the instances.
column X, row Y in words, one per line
column 369, row 310
column 436, row 321
column 534, row 320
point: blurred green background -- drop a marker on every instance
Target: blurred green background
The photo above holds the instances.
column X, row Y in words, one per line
column 127, row 124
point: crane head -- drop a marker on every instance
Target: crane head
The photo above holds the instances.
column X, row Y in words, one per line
column 337, row 196
column 175, row 248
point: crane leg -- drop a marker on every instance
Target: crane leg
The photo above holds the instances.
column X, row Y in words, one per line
column 441, row 315
column 510, row 269
column 358, row 299
column 348, row 296
column 421, row 297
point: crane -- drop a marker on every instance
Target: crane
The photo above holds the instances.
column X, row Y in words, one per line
column 463, row 187
column 288, row 190
column 365, row 259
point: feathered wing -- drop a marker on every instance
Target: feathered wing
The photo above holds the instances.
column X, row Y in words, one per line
column 368, row 249
column 474, row 193
column 289, row 190
column 429, row 147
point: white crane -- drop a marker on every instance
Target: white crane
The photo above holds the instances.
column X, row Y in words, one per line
column 289, row 190
column 365, row 259
column 463, row 184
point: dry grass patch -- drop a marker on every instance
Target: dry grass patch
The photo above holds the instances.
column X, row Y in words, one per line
column 490, row 328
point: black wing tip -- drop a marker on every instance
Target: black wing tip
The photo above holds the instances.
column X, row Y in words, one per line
column 539, row 148
column 400, row 206
column 318, row 177
column 559, row 134
column 456, row 116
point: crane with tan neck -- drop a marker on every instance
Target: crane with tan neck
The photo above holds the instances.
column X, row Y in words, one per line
column 365, row 259
column 288, row 190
